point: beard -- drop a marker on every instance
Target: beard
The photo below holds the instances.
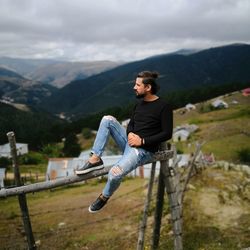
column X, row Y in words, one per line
column 140, row 96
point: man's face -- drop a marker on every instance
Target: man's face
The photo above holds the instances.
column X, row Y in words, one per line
column 140, row 88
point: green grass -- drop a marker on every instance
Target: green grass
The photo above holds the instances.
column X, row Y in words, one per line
column 117, row 226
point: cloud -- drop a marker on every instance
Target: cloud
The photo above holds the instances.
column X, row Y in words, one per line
column 118, row 30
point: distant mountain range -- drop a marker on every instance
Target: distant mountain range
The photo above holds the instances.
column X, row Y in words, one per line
column 61, row 74
column 55, row 73
column 220, row 65
column 16, row 88
column 181, row 70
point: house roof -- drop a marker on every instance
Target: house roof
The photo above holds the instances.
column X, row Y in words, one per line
column 218, row 103
column 246, row 91
column 6, row 147
column 182, row 132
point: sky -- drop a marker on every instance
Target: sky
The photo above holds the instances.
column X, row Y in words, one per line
column 118, row 30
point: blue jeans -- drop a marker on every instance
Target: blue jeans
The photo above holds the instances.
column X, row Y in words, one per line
column 131, row 158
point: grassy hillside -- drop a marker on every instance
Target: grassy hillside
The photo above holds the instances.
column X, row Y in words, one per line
column 225, row 131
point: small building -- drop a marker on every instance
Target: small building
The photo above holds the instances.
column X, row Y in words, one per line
column 219, row 104
column 190, row 107
column 63, row 167
column 181, row 135
column 246, row 92
column 2, row 177
column 182, row 132
column 22, row 148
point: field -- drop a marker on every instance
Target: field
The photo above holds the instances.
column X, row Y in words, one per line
column 216, row 216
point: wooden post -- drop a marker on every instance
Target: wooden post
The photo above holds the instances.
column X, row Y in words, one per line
column 167, row 179
column 158, row 209
column 143, row 225
column 175, row 205
column 159, row 200
column 21, row 197
column 191, row 169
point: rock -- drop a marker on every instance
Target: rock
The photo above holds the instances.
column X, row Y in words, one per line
column 61, row 224
column 38, row 242
column 245, row 169
column 191, row 187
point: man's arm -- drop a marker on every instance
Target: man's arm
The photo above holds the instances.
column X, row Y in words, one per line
column 130, row 127
column 166, row 128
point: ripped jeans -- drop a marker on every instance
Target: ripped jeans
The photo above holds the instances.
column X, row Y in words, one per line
column 131, row 158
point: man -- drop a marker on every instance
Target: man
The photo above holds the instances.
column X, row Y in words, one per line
column 151, row 123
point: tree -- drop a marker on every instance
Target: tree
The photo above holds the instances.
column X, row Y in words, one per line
column 71, row 147
column 86, row 132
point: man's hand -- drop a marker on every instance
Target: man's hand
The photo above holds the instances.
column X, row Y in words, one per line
column 134, row 140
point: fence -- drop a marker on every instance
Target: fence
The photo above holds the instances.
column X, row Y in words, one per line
column 170, row 181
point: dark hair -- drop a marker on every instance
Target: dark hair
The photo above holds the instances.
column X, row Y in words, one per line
column 149, row 77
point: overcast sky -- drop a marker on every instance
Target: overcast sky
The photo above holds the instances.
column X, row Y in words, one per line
column 127, row 30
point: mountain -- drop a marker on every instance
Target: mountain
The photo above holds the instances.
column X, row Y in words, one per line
column 16, row 88
column 54, row 72
column 60, row 74
column 214, row 66
column 5, row 72
column 25, row 66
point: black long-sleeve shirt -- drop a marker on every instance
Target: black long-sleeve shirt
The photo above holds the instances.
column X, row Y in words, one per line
column 152, row 121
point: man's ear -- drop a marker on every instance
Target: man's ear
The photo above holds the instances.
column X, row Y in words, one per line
column 148, row 86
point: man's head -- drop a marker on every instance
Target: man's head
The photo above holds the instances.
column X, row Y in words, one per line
column 146, row 83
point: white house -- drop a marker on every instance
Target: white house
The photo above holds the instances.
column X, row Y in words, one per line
column 5, row 151
column 2, row 177
column 219, row 104
column 190, row 106
column 63, row 167
column 188, row 127
column 181, row 135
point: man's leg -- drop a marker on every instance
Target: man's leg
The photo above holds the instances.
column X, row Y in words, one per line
column 132, row 158
column 108, row 126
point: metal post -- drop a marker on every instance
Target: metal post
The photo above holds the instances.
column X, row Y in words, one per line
column 21, row 197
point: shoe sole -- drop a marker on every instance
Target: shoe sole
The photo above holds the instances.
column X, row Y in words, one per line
column 92, row 211
column 89, row 170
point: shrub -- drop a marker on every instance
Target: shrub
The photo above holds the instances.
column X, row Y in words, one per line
column 86, row 133
column 32, row 158
column 244, row 155
column 4, row 162
column 52, row 150
column 71, row 147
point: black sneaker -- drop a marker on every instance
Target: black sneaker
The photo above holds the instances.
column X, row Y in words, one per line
column 88, row 167
column 98, row 204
